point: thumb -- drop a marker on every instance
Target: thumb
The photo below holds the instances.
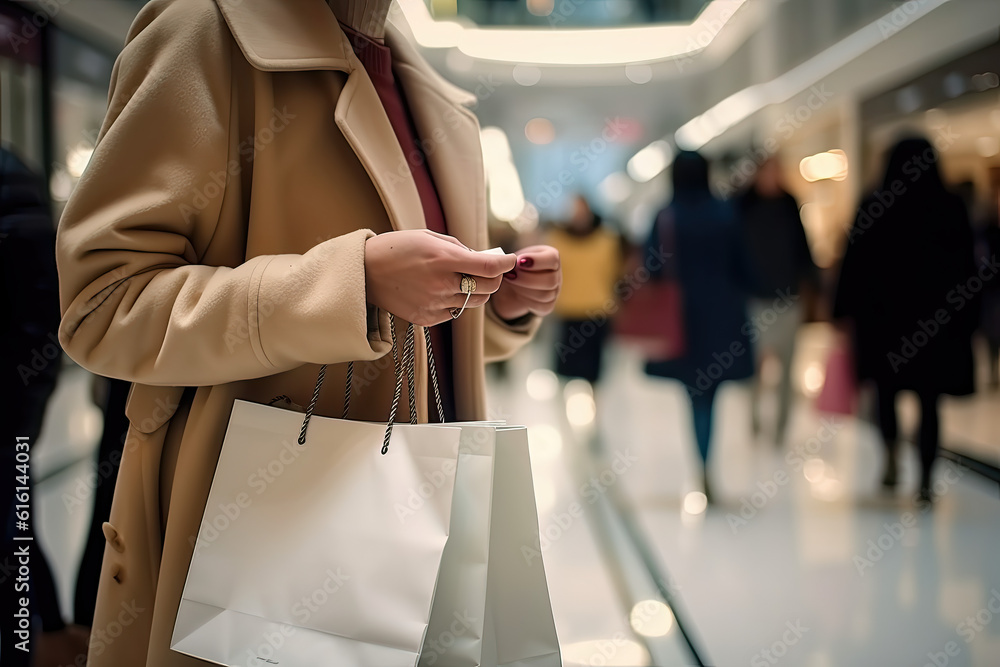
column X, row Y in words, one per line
column 485, row 264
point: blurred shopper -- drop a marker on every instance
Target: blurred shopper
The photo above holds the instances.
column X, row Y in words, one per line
column 715, row 276
column 591, row 257
column 29, row 319
column 783, row 265
column 905, row 285
column 988, row 249
column 257, row 205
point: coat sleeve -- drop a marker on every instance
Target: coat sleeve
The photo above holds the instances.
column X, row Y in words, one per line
column 137, row 301
column 503, row 339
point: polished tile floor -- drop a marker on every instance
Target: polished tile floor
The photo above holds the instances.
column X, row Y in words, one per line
column 801, row 561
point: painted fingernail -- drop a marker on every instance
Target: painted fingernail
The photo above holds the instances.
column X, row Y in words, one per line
column 511, row 275
column 526, row 262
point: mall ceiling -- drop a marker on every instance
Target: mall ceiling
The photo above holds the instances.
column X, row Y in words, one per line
column 586, row 13
column 636, row 70
column 732, row 47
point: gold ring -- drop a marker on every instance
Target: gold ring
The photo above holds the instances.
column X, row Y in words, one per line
column 468, row 284
column 455, row 312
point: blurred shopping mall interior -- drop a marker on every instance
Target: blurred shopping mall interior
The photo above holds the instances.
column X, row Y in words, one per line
column 802, row 557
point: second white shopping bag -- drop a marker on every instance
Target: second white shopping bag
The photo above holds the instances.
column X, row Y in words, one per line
column 498, row 614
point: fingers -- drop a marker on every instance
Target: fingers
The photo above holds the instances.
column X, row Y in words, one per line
column 539, row 302
column 536, row 279
column 448, row 294
column 485, row 285
column 462, row 259
column 442, row 313
column 538, row 258
column 475, row 301
column 451, row 284
column 541, row 280
column 458, row 300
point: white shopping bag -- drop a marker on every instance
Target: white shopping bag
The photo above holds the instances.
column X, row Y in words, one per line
column 492, row 606
column 318, row 569
column 520, row 629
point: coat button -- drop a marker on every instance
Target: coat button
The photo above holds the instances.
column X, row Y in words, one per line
column 112, row 536
column 116, row 572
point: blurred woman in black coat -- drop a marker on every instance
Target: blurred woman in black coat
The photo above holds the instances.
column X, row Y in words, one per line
column 908, row 283
column 715, row 276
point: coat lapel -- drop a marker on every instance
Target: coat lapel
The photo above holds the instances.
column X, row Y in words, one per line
column 362, row 119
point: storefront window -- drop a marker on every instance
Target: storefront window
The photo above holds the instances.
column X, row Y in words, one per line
column 80, row 79
column 21, row 127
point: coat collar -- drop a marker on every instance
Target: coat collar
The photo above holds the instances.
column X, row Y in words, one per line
column 284, row 35
column 290, row 35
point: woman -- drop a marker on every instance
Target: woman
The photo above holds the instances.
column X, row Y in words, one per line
column 902, row 285
column 591, row 258
column 713, row 270
column 264, row 193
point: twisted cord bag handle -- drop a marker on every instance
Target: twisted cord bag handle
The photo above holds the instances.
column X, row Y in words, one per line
column 405, row 360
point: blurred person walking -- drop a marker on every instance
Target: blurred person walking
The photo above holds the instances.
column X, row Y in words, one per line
column 904, row 287
column 783, row 266
column 592, row 258
column 715, row 276
column 31, row 360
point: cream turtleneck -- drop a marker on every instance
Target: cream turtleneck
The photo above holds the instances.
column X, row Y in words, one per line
column 366, row 16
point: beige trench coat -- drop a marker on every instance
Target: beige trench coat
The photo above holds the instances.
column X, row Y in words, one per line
column 214, row 250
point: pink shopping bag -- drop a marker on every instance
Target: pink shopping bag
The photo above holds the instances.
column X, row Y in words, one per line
column 840, row 387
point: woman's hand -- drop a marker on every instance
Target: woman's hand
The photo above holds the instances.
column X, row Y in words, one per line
column 416, row 274
column 533, row 285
